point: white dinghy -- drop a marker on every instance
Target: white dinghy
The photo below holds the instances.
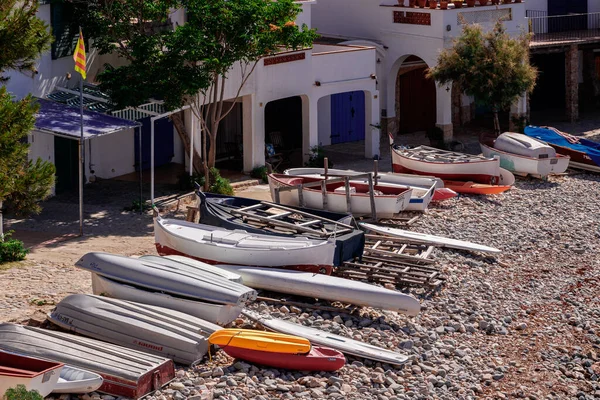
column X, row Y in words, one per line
column 220, row 314
column 341, row 343
column 326, row 287
column 190, row 284
column 189, row 264
column 439, row 241
column 77, row 381
column 217, row 245
column 164, row 332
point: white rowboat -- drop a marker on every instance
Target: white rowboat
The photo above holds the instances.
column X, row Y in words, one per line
column 220, row 314
column 423, row 188
column 217, row 245
column 186, row 263
column 326, row 287
column 341, row 343
column 429, row 239
column 389, row 199
column 77, row 380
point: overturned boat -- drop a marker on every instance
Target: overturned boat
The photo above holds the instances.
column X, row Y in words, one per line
column 126, row 372
column 156, row 330
column 262, row 217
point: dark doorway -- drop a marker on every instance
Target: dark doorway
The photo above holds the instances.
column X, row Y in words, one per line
column 164, row 149
column 549, row 92
column 66, row 159
column 566, row 7
column 416, row 99
column 285, row 116
column 347, row 117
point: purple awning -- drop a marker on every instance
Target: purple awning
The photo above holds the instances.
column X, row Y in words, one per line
column 63, row 120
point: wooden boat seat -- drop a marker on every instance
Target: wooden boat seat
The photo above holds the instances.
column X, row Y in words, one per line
column 17, row 372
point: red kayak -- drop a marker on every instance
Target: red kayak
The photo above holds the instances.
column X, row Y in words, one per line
column 443, row 194
column 318, row 359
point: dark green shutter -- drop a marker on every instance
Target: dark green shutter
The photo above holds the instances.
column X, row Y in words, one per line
column 64, row 29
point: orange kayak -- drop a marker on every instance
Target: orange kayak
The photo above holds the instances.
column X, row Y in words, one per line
column 259, row 340
column 475, row 188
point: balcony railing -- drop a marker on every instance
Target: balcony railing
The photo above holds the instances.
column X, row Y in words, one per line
column 563, row 28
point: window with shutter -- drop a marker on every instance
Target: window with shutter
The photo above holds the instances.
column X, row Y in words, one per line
column 64, row 29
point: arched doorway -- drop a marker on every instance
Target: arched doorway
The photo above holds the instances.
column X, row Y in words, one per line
column 415, row 97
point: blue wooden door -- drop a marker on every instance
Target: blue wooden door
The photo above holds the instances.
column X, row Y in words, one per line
column 164, row 149
column 347, row 117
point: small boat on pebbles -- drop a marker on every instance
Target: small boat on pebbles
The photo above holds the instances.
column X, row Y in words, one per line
column 524, row 155
column 160, row 331
column 77, row 381
column 331, row 195
column 259, row 340
column 337, row 342
column 216, row 245
column 326, row 287
column 126, row 372
column 191, row 265
column 450, row 165
column 476, row 188
column 33, row 373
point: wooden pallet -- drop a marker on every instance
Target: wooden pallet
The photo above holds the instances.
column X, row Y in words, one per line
column 397, row 250
column 372, row 269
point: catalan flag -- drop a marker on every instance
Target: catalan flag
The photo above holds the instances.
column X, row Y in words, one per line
column 79, row 56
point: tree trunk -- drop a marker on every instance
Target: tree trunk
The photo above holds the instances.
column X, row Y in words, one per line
column 177, row 119
column 212, row 151
column 496, row 123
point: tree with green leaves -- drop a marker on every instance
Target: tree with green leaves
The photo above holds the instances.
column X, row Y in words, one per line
column 491, row 66
column 190, row 64
column 23, row 37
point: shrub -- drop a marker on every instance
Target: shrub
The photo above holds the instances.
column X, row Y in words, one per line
column 316, row 158
column 218, row 184
column 21, row 393
column 260, row 173
column 11, row 249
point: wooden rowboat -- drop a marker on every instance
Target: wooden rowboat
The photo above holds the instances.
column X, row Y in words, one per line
column 215, row 245
column 424, row 160
column 475, row 188
column 33, row 373
column 331, row 195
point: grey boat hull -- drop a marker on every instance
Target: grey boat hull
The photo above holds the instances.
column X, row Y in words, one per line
column 167, row 333
column 126, row 372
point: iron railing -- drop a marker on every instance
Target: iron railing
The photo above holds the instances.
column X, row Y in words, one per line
column 563, row 28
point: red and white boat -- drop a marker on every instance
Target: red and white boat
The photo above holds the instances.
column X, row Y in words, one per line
column 215, row 245
column 318, row 359
column 389, row 199
column 448, row 165
column 33, row 373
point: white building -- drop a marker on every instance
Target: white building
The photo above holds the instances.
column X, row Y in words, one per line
column 408, row 41
column 291, row 93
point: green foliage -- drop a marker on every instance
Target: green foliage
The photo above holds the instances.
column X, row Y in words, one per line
column 316, row 158
column 260, row 173
column 11, row 249
column 23, row 36
column 218, row 184
column 136, row 205
column 491, row 66
column 189, row 63
column 21, row 393
column 23, row 183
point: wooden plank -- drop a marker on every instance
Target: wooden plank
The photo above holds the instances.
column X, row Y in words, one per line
column 307, row 214
column 324, row 193
column 300, row 195
column 249, row 208
column 277, row 216
column 372, row 198
column 348, row 195
column 271, row 222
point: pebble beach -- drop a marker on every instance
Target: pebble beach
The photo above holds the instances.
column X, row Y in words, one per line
column 521, row 324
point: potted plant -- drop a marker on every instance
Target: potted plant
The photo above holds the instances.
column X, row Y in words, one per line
column 433, row 4
column 457, row 3
column 483, row 2
column 444, row 4
column 422, row 3
column 470, row 3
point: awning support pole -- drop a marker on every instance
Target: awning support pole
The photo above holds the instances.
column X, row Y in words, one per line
column 152, row 119
column 192, row 146
column 140, row 164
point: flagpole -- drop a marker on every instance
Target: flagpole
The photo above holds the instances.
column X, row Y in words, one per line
column 81, row 160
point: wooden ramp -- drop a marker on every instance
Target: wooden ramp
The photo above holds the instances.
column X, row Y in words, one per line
column 393, row 261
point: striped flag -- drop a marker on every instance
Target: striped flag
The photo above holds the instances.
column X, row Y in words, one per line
column 79, row 56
